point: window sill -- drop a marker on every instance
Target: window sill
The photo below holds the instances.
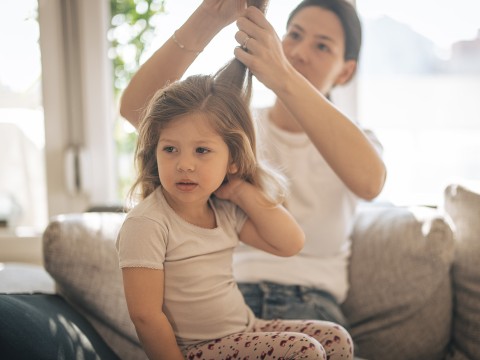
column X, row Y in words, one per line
column 20, row 248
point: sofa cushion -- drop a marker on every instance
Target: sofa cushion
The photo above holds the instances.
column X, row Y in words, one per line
column 44, row 326
column 80, row 255
column 399, row 302
column 462, row 203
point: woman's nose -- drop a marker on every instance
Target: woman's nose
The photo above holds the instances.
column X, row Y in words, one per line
column 299, row 51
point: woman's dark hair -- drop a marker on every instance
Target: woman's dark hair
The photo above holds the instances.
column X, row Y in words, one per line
column 348, row 17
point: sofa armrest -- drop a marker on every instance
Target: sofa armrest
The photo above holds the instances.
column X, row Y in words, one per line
column 399, row 302
column 44, row 326
column 80, row 255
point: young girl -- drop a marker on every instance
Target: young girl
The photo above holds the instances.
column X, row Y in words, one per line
column 175, row 247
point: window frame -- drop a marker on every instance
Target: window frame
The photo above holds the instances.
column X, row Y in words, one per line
column 78, row 104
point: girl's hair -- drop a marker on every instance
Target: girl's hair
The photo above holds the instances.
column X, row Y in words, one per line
column 348, row 17
column 224, row 99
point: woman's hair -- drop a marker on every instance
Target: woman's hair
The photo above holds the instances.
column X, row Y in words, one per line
column 348, row 17
column 224, row 99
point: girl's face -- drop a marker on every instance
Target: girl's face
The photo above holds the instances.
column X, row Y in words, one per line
column 315, row 46
column 192, row 160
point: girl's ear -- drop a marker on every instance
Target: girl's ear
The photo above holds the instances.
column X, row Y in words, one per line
column 347, row 73
column 232, row 168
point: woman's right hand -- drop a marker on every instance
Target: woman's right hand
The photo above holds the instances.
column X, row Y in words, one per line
column 226, row 10
column 261, row 49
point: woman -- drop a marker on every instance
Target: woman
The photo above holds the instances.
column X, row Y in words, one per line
column 330, row 161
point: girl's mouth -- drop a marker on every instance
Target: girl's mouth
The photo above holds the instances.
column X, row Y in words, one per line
column 186, row 186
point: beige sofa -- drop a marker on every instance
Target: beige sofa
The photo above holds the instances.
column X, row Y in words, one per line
column 415, row 278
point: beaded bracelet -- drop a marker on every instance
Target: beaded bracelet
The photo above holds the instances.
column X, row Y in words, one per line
column 181, row 46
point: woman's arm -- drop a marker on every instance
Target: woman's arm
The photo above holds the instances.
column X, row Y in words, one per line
column 144, row 294
column 170, row 61
column 342, row 143
column 269, row 227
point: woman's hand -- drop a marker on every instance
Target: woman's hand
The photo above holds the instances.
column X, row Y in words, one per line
column 227, row 10
column 210, row 17
column 332, row 133
column 261, row 49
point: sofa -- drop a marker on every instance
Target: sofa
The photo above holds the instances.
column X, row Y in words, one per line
column 414, row 274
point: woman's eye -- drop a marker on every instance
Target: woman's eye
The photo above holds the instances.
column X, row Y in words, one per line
column 323, row 47
column 169, row 149
column 294, row 35
column 202, row 150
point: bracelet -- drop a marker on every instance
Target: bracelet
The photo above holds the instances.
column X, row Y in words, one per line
column 181, row 46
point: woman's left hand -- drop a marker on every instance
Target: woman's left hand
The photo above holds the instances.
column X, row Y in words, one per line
column 261, row 49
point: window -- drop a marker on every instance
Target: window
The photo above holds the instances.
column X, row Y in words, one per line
column 419, row 89
column 23, row 205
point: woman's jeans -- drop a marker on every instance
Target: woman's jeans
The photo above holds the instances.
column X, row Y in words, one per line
column 275, row 301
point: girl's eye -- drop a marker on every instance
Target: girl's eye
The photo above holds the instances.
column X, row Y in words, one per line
column 202, row 150
column 169, row 149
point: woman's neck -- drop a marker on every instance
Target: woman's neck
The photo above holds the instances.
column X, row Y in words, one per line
column 283, row 119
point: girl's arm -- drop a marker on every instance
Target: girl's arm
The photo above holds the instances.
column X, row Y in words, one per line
column 170, row 61
column 144, row 294
column 343, row 144
column 269, row 227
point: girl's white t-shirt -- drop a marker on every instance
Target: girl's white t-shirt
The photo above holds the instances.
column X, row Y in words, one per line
column 319, row 201
column 201, row 298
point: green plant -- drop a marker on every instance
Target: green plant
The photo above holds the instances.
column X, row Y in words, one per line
column 132, row 29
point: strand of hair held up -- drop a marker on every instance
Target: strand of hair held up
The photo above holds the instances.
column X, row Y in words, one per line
column 234, row 73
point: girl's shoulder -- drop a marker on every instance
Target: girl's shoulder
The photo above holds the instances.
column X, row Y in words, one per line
column 227, row 212
column 222, row 208
column 153, row 208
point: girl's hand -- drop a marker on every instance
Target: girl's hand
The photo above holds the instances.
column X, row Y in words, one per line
column 263, row 53
column 226, row 10
column 230, row 189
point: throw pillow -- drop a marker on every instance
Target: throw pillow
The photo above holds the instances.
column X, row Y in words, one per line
column 399, row 302
column 462, row 203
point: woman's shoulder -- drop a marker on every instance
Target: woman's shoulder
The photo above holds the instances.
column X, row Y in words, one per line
column 260, row 113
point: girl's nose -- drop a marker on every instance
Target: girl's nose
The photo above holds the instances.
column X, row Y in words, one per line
column 185, row 163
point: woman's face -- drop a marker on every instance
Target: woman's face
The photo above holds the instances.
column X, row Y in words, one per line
column 315, row 46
